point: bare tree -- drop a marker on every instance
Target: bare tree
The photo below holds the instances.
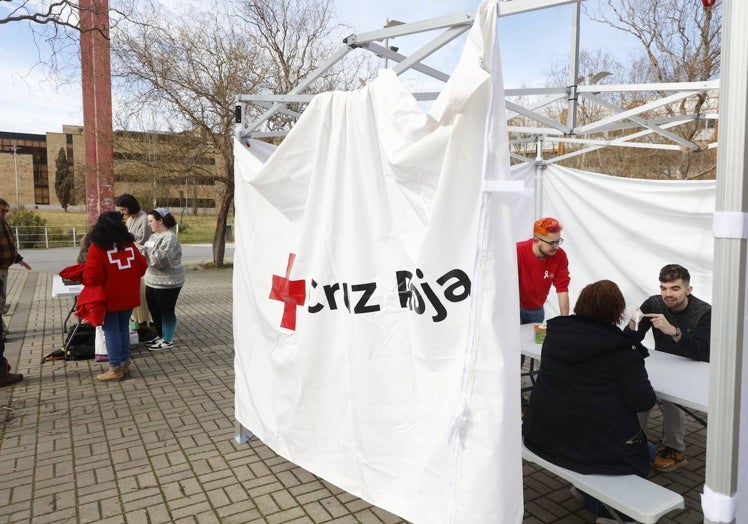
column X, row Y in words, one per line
column 55, row 28
column 595, row 67
column 188, row 72
column 681, row 41
column 61, row 13
column 295, row 37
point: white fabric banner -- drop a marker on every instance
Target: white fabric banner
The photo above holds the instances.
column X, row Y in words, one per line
column 375, row 294
column 625, row 229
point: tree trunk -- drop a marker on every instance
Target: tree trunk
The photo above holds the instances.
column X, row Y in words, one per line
column 684, row 166
column 219, row 238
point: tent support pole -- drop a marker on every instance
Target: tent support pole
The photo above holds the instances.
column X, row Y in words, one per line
column 729, row 295
column 571, row 114
column 539, row 166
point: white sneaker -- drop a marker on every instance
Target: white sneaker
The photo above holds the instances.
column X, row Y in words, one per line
column 163, row 344
column 155, row 342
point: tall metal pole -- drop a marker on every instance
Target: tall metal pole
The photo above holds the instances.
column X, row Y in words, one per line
column 389, row 23
column 386, row 43
column 539, row 166
column 571, row 115
column 15, row 167
column 729, row 308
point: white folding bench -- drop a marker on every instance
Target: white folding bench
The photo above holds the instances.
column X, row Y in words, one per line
column 631, row 495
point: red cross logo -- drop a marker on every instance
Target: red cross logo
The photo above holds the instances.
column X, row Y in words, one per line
column 291, row 292
column 123, row 258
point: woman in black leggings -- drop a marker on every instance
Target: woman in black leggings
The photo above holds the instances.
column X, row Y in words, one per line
column 164, row 277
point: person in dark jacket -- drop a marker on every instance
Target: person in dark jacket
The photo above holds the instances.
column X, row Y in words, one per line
column 9, row 255
column 681, row 324
column 582, row 414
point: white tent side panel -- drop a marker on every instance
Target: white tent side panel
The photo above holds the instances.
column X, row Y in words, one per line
column 626, row 229
column 373, row 278
column 612, row 227
column 382, row 375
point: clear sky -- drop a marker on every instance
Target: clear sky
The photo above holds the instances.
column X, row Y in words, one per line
column 31, row 102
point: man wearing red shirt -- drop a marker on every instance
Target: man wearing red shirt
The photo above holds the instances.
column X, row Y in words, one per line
column 541, row 263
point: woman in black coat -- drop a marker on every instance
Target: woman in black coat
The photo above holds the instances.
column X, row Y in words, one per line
column 592, row 383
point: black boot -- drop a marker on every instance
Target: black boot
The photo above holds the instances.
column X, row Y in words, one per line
column 10, row 378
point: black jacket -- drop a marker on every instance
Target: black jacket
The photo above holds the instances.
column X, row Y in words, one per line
column 582, row 410
column 695, row 323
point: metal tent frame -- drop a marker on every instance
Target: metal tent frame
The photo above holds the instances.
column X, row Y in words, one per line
column 646, row 126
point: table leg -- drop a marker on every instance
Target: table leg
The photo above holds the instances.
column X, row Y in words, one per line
column 72, row 310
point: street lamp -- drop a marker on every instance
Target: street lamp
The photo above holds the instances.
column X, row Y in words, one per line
column 15, row 166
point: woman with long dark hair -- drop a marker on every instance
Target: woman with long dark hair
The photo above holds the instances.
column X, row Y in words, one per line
column 165, row 276
column 114, row 263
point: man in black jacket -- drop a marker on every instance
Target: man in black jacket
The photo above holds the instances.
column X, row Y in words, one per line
column 8, row 255
column 681, row 325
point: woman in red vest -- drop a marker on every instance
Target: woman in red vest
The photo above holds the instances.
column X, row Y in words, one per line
column 115, row 263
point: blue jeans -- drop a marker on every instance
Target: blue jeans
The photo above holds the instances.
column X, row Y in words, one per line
column 530, row 316
column 117, row 335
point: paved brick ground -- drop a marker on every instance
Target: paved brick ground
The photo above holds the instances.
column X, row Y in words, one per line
column 160, row 447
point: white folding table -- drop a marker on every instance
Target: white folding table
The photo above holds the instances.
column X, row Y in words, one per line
column 61, row 289
column 676, row 379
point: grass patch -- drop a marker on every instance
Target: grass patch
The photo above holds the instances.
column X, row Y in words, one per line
column 199, row 228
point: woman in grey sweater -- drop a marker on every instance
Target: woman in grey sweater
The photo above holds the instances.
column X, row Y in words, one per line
column 164, row 277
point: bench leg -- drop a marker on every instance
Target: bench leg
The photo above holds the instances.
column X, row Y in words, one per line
column 614, row 513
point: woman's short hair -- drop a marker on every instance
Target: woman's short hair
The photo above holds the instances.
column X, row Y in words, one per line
column 601, row 300
column 110, row 230
column 128, row 201
column 164, row 215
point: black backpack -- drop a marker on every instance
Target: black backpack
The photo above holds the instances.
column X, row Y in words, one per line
column 79, row 342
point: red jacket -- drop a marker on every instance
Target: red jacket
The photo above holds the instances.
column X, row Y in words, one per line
column 118, row 272
column 90, row 303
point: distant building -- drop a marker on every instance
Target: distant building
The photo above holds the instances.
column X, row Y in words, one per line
column 161, row 169
column 24, row 170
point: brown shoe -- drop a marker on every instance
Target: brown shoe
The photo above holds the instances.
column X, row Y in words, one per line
column 669, row 459
column 126, row 368
column 111, row 374
column 10, row 378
